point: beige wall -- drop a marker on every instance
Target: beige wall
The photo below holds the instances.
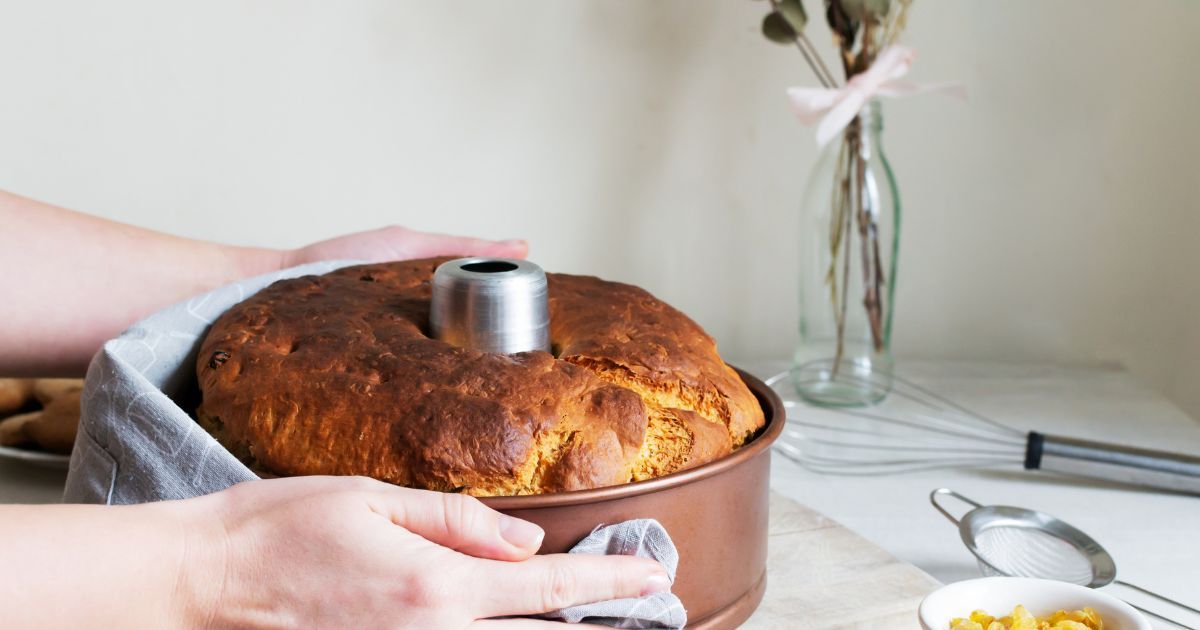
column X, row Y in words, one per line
column 1052, row 217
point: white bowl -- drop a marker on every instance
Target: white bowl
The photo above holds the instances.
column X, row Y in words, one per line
column 998, row 596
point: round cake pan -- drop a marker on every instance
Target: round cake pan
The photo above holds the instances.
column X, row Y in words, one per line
column 715, row 513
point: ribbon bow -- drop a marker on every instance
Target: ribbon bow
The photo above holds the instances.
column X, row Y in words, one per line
column 831, row 109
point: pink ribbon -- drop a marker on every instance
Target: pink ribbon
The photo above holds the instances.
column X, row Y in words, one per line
column 831, row 109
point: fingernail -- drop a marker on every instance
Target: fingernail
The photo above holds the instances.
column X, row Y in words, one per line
column 514, row 241
column 519, row 533
column 657, row 583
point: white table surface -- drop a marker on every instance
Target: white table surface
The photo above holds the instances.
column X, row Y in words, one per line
column 1154, row 537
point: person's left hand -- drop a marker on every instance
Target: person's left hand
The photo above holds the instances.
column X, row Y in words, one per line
column 353, row 552
column 400, row 243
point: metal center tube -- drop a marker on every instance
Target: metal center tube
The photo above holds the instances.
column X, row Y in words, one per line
column 491, row 304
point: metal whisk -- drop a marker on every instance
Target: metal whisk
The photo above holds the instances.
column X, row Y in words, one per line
column 917, row 429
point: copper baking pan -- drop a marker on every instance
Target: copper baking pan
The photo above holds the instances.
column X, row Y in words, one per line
column 716, row 514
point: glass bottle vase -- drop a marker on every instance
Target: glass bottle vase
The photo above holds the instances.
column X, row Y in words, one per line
column 849, row 239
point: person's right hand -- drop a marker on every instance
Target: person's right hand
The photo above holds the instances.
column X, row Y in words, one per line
column 396, row 242
column 348, row 552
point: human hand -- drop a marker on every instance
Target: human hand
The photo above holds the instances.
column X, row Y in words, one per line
column 400, row 243
column 354, row 552
column 68, row 263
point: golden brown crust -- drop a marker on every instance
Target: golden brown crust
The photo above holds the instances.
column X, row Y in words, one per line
column 630, row 338
column 335, row 374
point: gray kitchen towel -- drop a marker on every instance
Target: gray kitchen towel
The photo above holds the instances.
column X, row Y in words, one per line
column 639, row 537
column 136, row 443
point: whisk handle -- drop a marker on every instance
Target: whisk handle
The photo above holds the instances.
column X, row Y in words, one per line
column 1114, row 462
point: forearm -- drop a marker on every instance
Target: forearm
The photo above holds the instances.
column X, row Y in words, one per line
column 72, row 281
column 81, row 566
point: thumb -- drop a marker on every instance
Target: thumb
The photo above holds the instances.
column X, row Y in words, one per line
column 422, row 244
column 460, row 522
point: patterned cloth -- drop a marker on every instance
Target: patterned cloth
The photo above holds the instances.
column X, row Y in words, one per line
column 136, row 443
column 639, row 537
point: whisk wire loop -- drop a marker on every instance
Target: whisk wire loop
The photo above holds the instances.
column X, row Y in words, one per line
column 916, row 420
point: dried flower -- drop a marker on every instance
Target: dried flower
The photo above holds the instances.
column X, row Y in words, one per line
column 861, row 30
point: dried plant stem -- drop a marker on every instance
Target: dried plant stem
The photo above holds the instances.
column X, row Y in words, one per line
column 868, row 235
column 860, row 32
column 810, row 55
column 879, row 333
column 867, row 51
column 841, row 335
column 841, row 222
column 814, row 59
column 896, row 25
column 853, row 203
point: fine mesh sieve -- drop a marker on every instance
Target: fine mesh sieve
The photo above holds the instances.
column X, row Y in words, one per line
column 1018, row 542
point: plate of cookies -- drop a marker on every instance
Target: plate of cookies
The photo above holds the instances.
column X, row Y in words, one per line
column 38, row 419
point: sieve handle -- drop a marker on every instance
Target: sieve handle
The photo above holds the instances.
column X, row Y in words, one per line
column 1114, row 462
column 1161, row 598
column 933, row 498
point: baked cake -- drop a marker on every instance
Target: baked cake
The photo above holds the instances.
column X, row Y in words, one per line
column 337, row 374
